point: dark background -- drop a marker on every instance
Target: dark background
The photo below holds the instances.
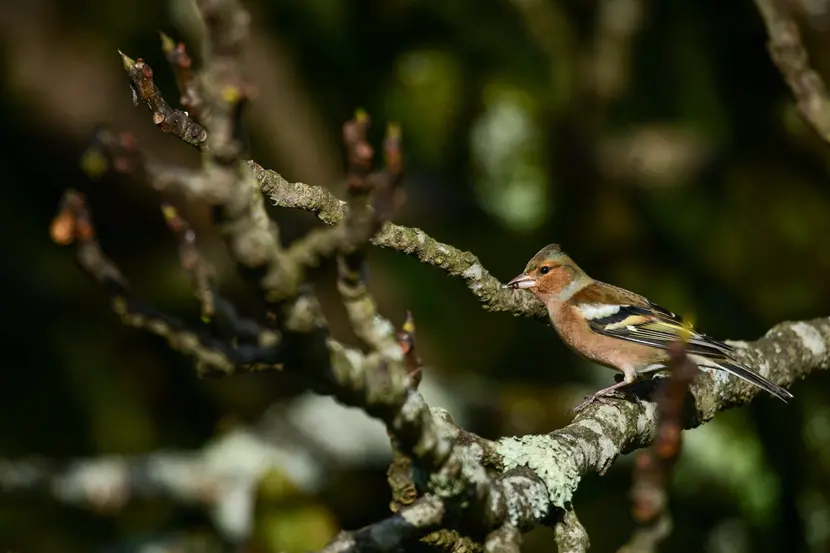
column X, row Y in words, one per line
column 668, row 159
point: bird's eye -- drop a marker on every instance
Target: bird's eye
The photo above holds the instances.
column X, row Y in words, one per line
column 544, row 270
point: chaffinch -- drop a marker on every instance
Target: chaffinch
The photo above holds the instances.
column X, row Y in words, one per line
column 619, row 329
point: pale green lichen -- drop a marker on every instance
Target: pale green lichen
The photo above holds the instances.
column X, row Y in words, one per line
column 551, row 461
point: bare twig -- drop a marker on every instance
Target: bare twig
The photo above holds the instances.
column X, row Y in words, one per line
column 655, row 465
column 119, row 153
column 169, row 120
column 215, row 309
column 788, row 53
column 182, row 66
column 361, row 224
column 251, row 237
column 201, row 272
column 73, row 223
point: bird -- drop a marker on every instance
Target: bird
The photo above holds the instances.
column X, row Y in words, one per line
column 620, row 329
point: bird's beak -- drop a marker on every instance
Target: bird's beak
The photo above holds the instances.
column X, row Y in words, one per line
column 521, row 282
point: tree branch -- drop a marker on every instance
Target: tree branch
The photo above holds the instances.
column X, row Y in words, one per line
column 171, row 121
column 182, row 66
column 414, row 521
column 411, row 241
column 571, row 536
column 542, row 472
column 788, row 53
column 223, row 476
column 259, row 351
column 506, row 539
column 655, row 465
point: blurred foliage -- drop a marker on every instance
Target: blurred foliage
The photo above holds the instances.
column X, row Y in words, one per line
column 654, row 140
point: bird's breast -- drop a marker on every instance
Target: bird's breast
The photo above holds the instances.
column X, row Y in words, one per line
column 577, row 335
column 604, row 350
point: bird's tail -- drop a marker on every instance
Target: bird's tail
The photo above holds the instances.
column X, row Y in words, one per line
column 747, row 374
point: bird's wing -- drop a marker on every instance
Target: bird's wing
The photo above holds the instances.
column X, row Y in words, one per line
column 621, row 314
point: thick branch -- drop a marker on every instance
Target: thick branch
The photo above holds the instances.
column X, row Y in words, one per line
column 420, row 518
column 506, row 539
column 602, row 432
column 542, row 473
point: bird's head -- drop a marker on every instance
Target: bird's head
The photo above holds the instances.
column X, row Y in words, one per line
column 550, row 274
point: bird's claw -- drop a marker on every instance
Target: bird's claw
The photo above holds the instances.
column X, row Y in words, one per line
column 605, row 399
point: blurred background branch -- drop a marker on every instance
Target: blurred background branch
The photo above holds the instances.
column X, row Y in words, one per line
column 286, row 456
column 790, row 56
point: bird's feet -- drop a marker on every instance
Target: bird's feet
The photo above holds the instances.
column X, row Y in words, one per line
column 603, row 396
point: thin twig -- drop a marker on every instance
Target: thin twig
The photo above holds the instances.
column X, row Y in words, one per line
column 655, row 465
column 201, row 273
column 189, row 88
column 361, row 224
column 169, row 120
column 73, row 224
